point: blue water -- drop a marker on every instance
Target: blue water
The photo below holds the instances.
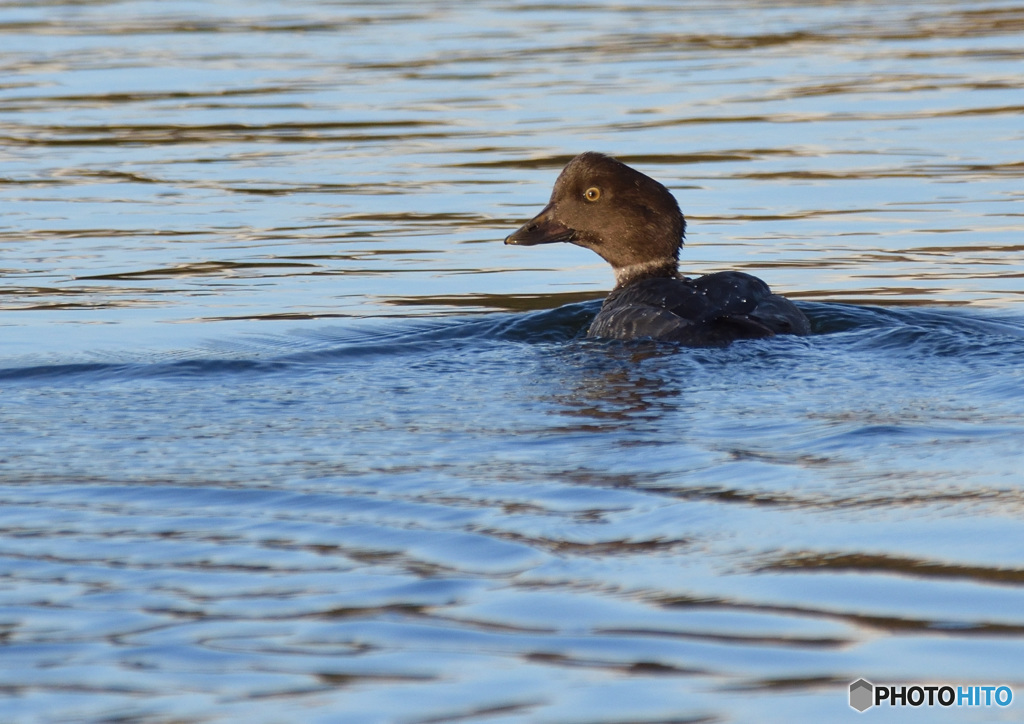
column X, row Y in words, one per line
column 287, row 434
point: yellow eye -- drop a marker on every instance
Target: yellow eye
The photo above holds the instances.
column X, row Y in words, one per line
column 592, row 194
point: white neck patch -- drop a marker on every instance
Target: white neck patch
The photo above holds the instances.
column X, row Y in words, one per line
column 654, row 268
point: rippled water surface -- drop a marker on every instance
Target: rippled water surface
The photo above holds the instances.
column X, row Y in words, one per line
column 287, row 434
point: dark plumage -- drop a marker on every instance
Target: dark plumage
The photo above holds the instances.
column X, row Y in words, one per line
column 634, row 223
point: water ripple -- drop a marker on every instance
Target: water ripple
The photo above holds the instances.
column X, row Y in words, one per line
column 284, row 427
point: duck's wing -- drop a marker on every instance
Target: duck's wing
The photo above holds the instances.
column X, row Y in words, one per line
column 702, row 312
column 736, row 293
column 712, row 310
column 732, row 292
column 636, row 321
column 781, row 316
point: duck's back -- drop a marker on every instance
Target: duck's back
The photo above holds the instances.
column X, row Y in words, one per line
column 712, row 310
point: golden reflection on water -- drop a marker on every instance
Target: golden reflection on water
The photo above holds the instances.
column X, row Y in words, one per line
column 807, row 151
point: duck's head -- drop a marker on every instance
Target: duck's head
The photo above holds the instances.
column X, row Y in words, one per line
column 629, row 219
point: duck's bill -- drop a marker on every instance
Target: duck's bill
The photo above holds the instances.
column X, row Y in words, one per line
column 541, row 229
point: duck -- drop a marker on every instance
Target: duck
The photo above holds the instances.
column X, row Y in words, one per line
column 635, row 224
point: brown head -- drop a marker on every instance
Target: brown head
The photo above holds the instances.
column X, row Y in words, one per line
column 628, row 218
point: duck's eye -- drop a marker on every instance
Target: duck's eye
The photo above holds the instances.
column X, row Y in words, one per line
column 592, row 194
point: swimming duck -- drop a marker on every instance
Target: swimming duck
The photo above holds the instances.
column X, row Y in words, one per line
column 634, row 223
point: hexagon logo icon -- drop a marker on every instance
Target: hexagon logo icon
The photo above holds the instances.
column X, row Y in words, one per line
column 862, row 695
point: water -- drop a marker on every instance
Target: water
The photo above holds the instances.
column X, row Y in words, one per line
column 287, row 434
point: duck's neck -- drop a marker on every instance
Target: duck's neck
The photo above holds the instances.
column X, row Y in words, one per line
column 626, row 275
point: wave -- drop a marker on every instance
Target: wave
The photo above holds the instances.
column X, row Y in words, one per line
column 913, row 332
